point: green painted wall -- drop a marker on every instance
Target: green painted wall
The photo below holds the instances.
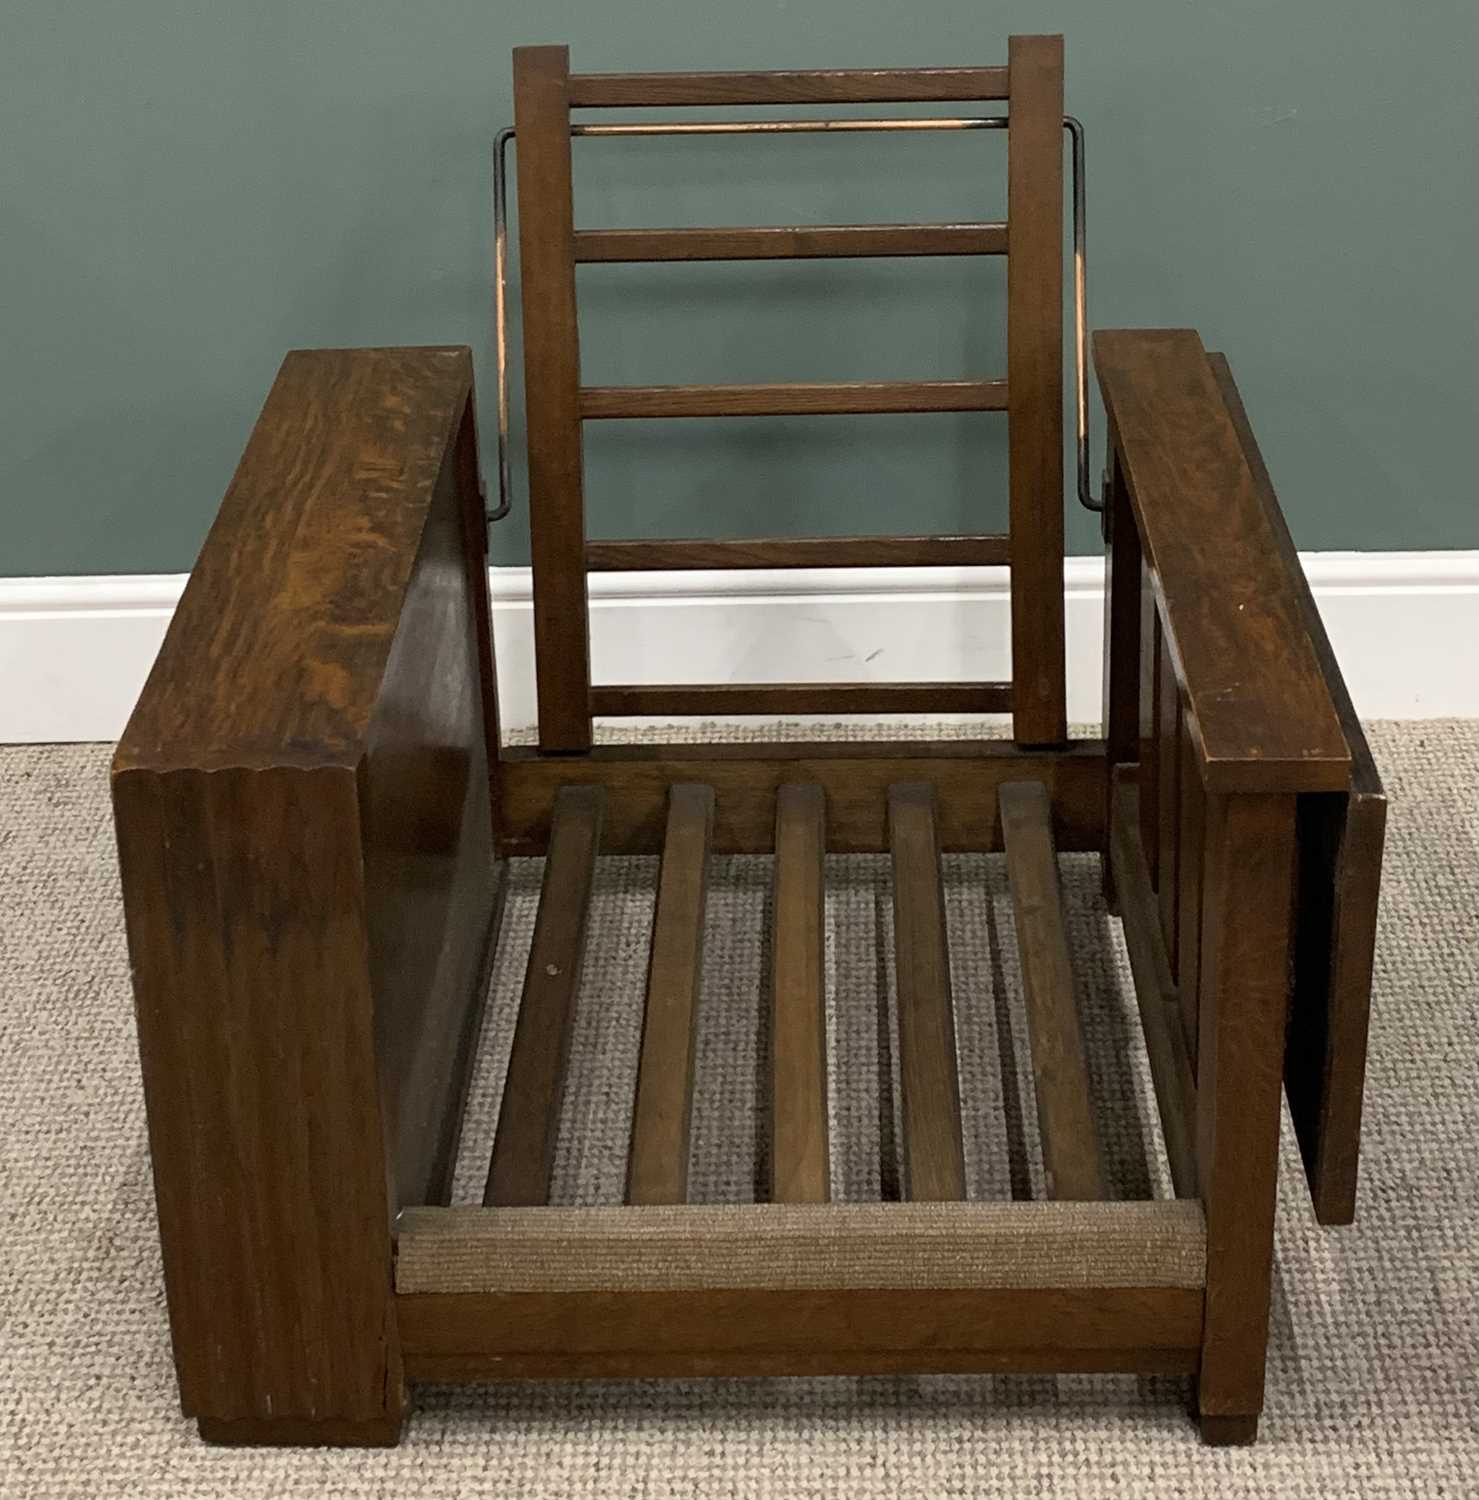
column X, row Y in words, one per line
column 188, row 190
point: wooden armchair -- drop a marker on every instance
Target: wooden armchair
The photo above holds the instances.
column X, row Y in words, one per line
column 315, row 810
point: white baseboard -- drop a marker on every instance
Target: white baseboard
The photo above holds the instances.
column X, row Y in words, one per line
column 74, row 651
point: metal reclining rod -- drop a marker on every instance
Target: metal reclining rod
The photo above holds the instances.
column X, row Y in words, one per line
column 1073, row 126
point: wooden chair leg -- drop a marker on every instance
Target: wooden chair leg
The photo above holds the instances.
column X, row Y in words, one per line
column 1228, row 1432
column 297, row 1432
column 1244, row 983
column 246, row 909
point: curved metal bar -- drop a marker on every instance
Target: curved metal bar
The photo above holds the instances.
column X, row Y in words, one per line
column 1074, row 127
column 1086, row 498
column 500, row 315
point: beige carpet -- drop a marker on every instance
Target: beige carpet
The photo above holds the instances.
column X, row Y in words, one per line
column 1372, row 1370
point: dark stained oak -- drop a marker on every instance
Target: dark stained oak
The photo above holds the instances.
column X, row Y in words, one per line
column 800, row 552
column 481, row 1335
column 1228, row 1432
column 657, row 1168
column 1259, row 708
column 303, row 799
column 1123, row 620
column 934, row 1155
column 643, row 1364
column 855, row 777
column 529, row 1116
column 1070, row 1139
column 296, row 1432
column 1170, row 729
column 795, row 399
column 800, row 1155
column 552, row 396
column 677, row 700
column 1341, row 841
column 1035, row 379
column 799, row 242
column 475, row 542
column 1148, row 778
column 633, row 555
column 1155, row 991
column 312, row 804
column 1248, row 901
column 328, row 503
column 246, row 920
column 795, row 86
column 1190, row 819
column 434, row 891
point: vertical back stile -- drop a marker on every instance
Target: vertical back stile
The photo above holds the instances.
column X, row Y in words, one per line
column 552, row 397
column 1035, row 385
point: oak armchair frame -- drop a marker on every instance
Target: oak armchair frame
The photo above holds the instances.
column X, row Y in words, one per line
column 315, row 808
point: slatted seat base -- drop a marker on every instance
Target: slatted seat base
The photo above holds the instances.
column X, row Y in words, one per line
column 929, row 1283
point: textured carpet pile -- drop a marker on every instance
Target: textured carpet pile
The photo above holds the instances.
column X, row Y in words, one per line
column 1372, row 1385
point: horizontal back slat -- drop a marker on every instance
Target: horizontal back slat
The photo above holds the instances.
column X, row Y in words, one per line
column 643, row 701
column 800, row 552
column 815, row 398
column 802, row 242
column 806, row 86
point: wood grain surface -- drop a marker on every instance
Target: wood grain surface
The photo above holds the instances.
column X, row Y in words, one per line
column 795, row 399
column 529, row 1115
column 790, row 242
column 1035, row 378
column 304, row 816
column 551, row 342
column 794, row 86
column 1259, row 706
column 855, row 777
column 1072, row 1161
column 800, row 1153
column 657, row 1167
column 934, row 1155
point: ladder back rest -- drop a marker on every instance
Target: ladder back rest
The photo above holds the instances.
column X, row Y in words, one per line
column 550, row 247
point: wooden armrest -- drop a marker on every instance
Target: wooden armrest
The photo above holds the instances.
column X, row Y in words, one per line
column 1259, row 708
column 332, row 649
column 278, row 648
column 303, row 800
